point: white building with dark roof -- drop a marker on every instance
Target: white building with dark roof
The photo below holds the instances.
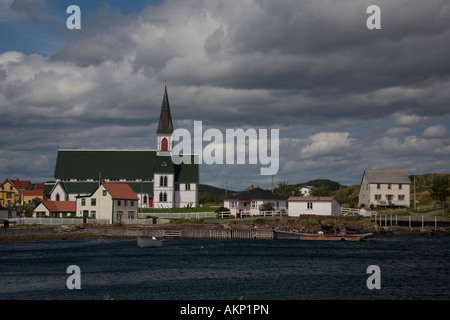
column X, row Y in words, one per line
column 249, row 202
column 151, row 174
column 384, row 188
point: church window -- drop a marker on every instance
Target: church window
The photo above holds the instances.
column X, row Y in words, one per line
column 57, row 197
column 145, row 199
column 163, row 197
column 164, row 145
column 163, row 181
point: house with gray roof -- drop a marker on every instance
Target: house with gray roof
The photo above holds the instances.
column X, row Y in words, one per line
column 384, row 188
column 151, row 174
column 250, row 201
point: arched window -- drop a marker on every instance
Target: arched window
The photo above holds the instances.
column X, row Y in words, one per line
column 160, row 197
column 165, row 197
column 164, row 144
column 163, row 181
column 57, row 197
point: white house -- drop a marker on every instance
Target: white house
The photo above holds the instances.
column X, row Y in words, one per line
column 249, row 202
column 327, row 206
column 306, row 191
column 55, row 209
column 384, row 188
column 114, row 202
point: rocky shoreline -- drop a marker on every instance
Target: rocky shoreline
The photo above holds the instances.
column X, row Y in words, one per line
column 45, row 233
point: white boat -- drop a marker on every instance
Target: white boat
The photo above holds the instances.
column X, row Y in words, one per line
column 149, row 242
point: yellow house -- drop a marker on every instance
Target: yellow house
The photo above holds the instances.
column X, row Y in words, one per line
column 29, row 195
column 11, row 191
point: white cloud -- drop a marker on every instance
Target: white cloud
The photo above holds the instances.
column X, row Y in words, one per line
column 407, row 120
column 327, row 143
column 437, row 131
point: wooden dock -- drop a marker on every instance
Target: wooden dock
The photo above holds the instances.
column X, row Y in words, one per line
column 184, row 232
column 210, row 233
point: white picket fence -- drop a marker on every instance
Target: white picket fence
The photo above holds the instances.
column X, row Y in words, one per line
column 41, row 220
column 178, row 215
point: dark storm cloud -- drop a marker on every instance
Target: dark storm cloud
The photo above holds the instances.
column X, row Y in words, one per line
column 309, row 68
column 32, row 9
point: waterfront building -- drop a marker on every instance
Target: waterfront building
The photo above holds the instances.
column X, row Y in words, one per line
column 151, row 174
column 110, row 203
column 325, row 206
column 384, row 188
column 252, row 202
column 55, row 209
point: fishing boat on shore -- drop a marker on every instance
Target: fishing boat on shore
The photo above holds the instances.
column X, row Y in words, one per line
column 149, row 242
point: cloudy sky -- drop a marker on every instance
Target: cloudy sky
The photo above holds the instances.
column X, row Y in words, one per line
column 344, row 98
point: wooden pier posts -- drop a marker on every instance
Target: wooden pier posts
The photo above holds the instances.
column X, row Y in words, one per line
column 205, row 233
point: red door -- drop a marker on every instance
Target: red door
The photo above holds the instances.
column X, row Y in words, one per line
column 164, row 145
column 150, row 202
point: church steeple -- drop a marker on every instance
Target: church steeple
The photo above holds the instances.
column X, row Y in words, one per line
column 165, row 125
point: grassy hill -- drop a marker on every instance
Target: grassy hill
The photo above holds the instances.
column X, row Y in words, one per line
column 333, row 185
column 423, row 186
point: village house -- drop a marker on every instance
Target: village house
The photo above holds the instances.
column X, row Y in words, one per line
column 384, row 188
column 326, row 206
column 151, row 174
column 29, row 195
column 55, row 209
column 11, row 191
column 110, row 202
column 250, row 202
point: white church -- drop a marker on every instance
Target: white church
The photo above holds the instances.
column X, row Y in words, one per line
column 151, row 174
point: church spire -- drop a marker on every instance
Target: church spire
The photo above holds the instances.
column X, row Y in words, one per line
column 165, row 125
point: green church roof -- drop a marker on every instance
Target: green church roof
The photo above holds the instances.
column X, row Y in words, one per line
column 120, row 164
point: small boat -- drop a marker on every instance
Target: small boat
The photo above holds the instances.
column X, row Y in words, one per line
column 149, row 242
column 336, row 237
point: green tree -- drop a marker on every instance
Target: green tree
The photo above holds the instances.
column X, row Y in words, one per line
column 286, row 190
column 266, row 207
column 322, row 191
column 440, row 189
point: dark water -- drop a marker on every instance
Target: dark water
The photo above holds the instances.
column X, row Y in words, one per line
column 412, row 267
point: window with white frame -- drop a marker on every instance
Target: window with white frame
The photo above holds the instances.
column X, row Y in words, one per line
column 309, row 205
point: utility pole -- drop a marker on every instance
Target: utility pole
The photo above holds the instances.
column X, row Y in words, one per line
column 226, row 187
column 414, row 193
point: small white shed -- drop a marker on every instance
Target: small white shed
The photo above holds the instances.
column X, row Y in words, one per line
column 325, row 206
